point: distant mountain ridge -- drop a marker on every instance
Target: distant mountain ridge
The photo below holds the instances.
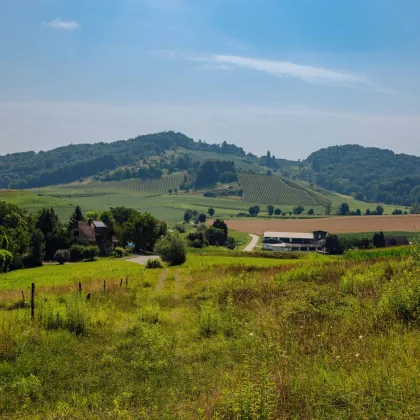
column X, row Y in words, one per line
column 69, row 163
column 368, row 173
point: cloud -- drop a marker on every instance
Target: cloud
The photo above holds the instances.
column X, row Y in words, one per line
column 306, row 73
column 57, row 23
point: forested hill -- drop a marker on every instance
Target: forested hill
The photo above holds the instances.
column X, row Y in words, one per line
column 368, row 173
column 70, row 163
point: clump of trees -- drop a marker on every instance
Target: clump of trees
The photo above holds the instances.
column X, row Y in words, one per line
column 172, row 248
column 254, row 211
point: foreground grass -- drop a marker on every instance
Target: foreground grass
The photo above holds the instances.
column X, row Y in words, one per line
column 220, row 337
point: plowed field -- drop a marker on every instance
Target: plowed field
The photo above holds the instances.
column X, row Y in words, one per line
column 407, row 223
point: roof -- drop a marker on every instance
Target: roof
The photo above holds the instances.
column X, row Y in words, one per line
column 87, row 231
column 398, row 240
column 99, row 224
column 295, row 235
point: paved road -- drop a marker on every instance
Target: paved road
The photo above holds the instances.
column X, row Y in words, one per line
column 142, row 259
column 254, row 241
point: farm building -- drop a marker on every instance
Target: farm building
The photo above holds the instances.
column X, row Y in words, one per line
column 396, row 241
column 94, row 233
column 294, row 241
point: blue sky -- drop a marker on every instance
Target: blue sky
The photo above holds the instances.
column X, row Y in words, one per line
column 285, row 75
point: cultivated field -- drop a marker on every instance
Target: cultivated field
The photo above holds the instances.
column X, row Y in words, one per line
column 407, row 223
column 274, row 190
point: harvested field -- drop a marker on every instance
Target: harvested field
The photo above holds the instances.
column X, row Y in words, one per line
column 351, row 224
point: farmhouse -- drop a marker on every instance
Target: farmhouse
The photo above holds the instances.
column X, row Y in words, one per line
column 294, row 241
column 94, row 233
column 396, row 241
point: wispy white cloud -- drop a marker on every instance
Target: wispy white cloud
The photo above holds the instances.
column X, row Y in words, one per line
column 306, row 73
column 57, row 23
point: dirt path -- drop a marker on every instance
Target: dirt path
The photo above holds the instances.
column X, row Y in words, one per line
column 177, row 285
column 254, row 241
column 161, row 283
column 142, row 259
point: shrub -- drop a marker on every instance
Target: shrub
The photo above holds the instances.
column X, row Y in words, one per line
column 119, row 252
column 230, row 243
column 179, row 227
column 62, row 256
column 172, row 248
column 154, row 263
column 90, row 252
column 76, row 252
column 6, row 259
column 196, row 239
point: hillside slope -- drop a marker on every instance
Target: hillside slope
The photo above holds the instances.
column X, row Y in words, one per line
column 370, row 173
column 70, row 163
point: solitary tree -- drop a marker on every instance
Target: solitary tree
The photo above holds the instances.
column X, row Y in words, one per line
column 311, row 212
column 270, row 210
column 254, row 211
column 77, row 216
column 343, row 209
column 298, row 210
column 379, row 210
column 187, row 217
column 202, row 218
column 211, row 211
column 277, row 212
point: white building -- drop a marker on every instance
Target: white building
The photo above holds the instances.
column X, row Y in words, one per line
column 294, row 241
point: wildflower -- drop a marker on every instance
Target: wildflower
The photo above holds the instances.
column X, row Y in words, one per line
column 290, row 332
column 360, row 337
column 251, row 334
column 357, row 354
column 337, row 357
column 318, row 335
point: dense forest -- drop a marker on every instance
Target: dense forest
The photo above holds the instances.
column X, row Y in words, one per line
column 368, row 173
column 70, row 163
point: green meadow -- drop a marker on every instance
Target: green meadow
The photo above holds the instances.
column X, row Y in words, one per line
column 230, row 336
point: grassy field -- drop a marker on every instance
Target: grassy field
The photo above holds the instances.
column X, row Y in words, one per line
column 227, row 338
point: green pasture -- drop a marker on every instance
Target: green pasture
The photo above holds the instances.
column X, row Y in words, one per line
column 228, row 337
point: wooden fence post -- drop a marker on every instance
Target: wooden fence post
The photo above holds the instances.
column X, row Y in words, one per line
column 23, row 297
column 121, row 283
column 80, row 288
column 33, row 301
column 104, row 286
column 126, row 281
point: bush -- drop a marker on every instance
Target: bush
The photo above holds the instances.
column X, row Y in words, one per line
column 76, row 252
column 179, row 227
column 172, row 248
column 6, row 259
column 196, row 239
column 62, row 256
column 119, row 252
column 230, row 243
column 154, row 263
column 90, row 252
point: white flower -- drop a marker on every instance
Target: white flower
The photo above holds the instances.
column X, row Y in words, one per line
column 337, row 357
column 360, row 337
column 251, row 334
column 357, row 354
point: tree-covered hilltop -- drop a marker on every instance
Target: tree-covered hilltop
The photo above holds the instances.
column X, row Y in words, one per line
column 368, row 173
column 70, row 163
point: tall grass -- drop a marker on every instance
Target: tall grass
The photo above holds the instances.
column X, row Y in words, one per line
column 252, row 339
